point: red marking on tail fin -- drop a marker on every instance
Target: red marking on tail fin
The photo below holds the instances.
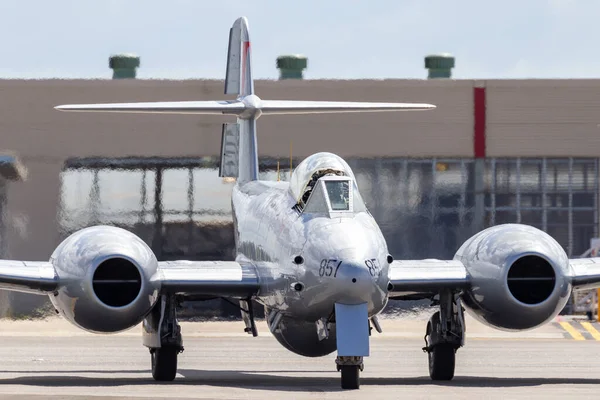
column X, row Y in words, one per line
column 244, row 65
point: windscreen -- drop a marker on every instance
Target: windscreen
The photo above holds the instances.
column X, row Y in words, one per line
column 339, row 194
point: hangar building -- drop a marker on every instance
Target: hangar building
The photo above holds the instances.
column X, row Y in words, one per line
column 493, row 151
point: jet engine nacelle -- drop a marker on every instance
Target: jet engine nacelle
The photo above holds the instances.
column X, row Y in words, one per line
column 107, row 279
column 519, row 277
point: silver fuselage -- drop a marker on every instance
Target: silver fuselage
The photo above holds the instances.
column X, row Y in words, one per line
column 344, row 258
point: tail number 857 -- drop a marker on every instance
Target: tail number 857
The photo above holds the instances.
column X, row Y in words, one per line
column 330, row 267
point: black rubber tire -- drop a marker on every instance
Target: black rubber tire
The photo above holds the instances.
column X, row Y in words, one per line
column 164, row 363
column 442, row 362
column 350, row 376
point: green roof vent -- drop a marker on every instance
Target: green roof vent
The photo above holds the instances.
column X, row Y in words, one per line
column 291, row 66
column 439, row 65
column 124, row 66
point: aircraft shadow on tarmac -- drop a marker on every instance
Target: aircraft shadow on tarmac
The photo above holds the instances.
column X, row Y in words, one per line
column 264, row 381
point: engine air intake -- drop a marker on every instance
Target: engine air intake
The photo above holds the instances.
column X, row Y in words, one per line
column 117, row 282
column 531, row 279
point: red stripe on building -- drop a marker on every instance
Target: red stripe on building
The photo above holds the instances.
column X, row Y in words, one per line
column 479, row 125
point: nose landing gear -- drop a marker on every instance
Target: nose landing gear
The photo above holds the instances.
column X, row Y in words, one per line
column 350, row 367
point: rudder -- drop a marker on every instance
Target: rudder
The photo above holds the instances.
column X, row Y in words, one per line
column 239, row 152
column 230, row 149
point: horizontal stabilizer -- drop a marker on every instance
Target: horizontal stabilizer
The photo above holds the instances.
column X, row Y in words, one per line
column 168, row 107
column 239, row 148
column 238, row 107
column 315, row 107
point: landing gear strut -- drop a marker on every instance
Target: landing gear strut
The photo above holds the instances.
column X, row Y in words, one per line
column 162, row 335
column 444, row 336
column 350, row 368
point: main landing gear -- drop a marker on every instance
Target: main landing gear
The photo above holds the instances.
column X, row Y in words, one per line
column 162, row 335
column 164, row 363
column 444, row 336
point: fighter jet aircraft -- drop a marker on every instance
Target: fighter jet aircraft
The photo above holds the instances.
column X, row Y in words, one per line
column 308, row 250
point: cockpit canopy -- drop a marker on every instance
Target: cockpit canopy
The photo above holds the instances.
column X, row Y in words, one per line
column 307, row 173
column 324, row 183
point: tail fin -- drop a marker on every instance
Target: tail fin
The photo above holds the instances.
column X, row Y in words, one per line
column 238, row 78
column 239, row 152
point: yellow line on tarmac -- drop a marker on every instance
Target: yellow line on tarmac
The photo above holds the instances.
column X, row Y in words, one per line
column 590, row 328
column 572, row 331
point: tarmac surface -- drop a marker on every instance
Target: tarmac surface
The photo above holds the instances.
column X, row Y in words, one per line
column 51, row 359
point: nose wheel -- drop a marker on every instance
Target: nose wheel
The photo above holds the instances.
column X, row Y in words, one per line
column 350, row 368
column 350, row 376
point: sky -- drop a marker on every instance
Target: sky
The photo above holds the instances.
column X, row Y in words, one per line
column 343, row 39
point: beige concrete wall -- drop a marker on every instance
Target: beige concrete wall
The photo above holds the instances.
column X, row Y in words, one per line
column 524, row 118
column 31, row 126
column 543, row 118
column 44, row 138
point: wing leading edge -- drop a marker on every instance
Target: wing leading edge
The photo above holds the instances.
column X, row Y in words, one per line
column 203, row 278
column 586, row 273
column 210, row 278
column 409, row 278
column 421, row 278
column 36, row 277
column 425, row 277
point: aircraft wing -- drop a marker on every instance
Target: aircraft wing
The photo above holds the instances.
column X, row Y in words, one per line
column 210, row 278
column 218, row 278
column 586, row 272
column 28, row 276
column 421, row 278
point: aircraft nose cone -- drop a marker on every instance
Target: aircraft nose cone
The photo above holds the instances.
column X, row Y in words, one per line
column 355, row 283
